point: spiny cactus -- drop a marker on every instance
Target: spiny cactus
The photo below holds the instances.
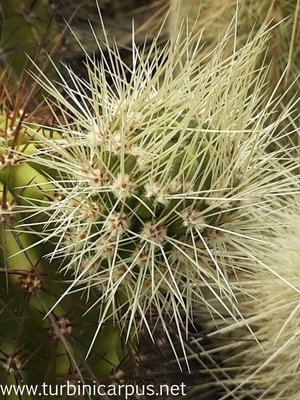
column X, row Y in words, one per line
column 214, row 18
column 36, row 349
column 160, row 194
column 262, row 362
column 167, row 181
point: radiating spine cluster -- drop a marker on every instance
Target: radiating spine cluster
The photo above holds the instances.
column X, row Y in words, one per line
column 167, row 179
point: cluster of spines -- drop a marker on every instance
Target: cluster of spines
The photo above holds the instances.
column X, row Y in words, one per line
column 165, row 190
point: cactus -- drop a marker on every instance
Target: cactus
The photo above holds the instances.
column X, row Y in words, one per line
column 37, row 345
column 214, row 18
column 256, row 357
column 167, row 181
column 159, row 193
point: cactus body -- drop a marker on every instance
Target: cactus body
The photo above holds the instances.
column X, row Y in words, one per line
column 164, row 191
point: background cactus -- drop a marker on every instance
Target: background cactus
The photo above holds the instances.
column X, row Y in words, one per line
column 27, row 25
column 214, row 19
column 22, row 30
column 257, row 356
